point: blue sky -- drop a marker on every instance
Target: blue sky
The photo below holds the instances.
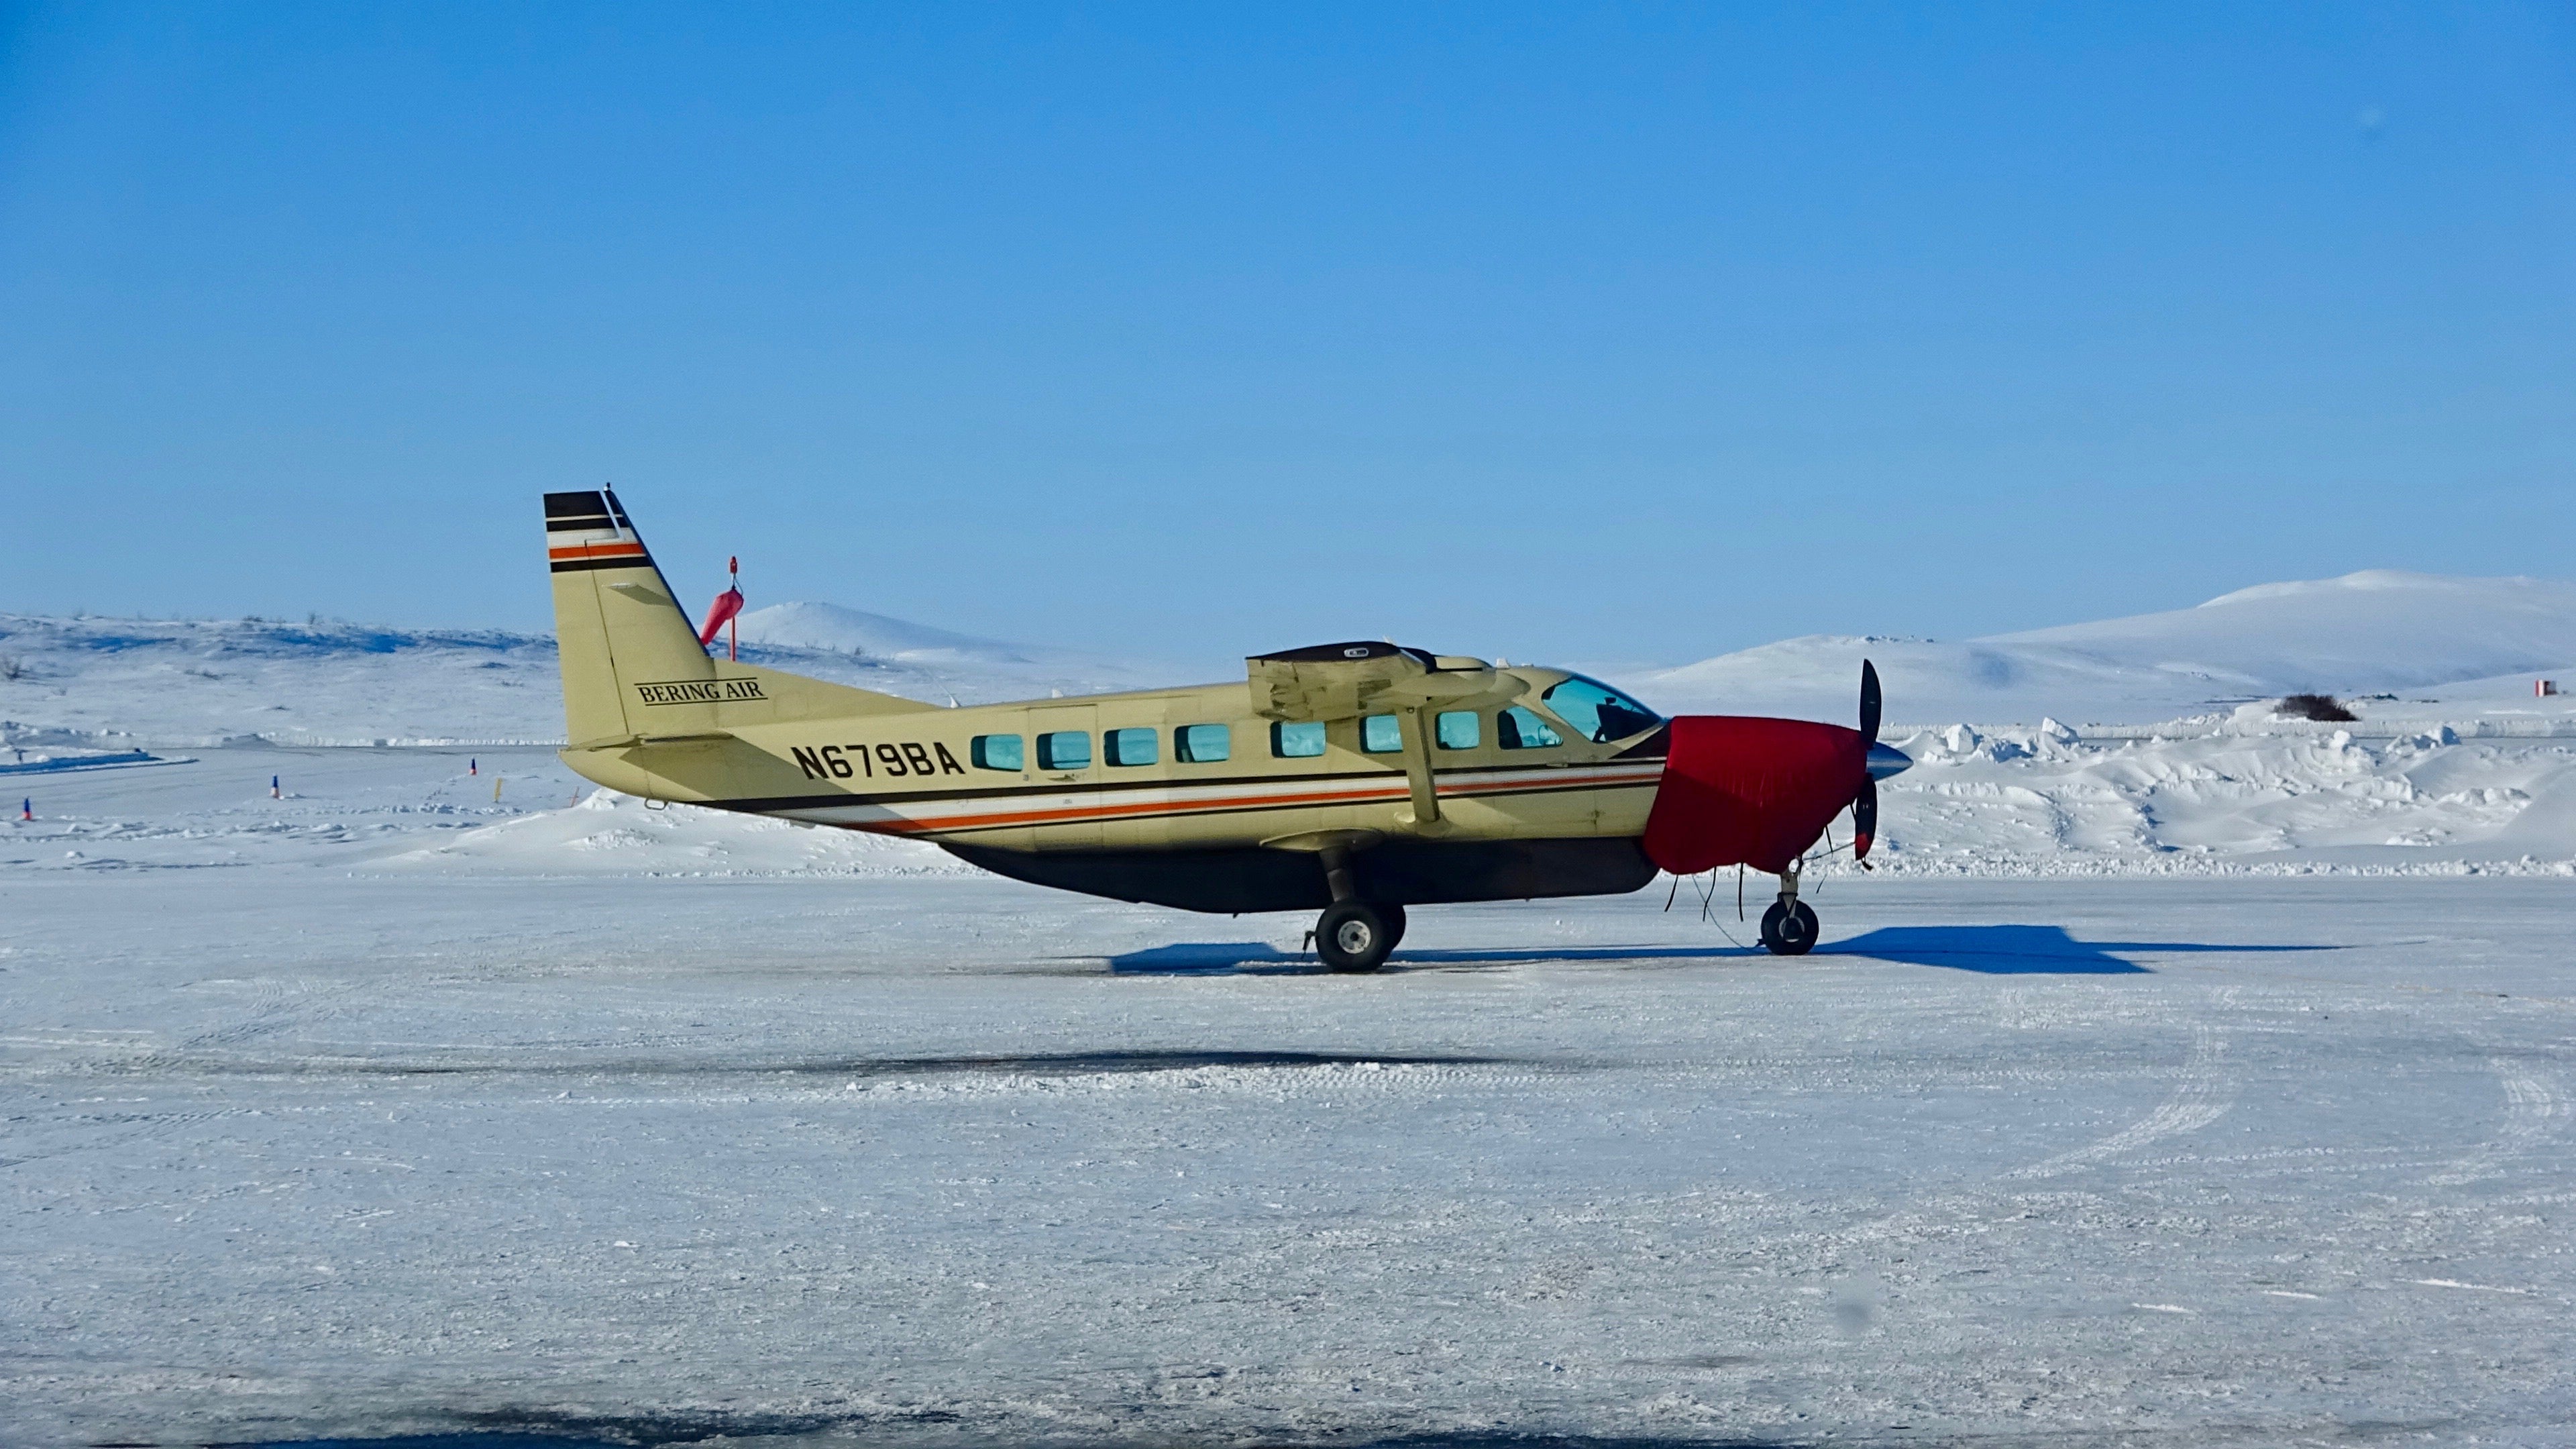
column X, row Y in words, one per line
column 1638, row 333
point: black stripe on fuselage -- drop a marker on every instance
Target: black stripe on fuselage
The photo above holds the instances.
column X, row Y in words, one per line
column 624, row 561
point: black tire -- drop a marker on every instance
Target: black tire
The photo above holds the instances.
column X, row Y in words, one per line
column 1393, row 915
column 1355, row 936
column 1788, row 931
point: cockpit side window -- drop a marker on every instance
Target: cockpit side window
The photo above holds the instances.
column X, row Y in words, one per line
column 1520, row 728
column 1598, row 712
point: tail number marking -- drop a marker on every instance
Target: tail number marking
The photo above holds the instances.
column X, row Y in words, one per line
column 895, row 761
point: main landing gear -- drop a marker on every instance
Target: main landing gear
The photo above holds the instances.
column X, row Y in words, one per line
column 1357, row 935
column 1789, row 927
column 1353, row 934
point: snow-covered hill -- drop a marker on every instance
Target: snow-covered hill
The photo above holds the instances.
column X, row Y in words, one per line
column 2380, row 632
column 90, row 680
column 837, row 630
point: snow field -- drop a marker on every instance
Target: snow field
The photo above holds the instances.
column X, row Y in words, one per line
column 950, row 1160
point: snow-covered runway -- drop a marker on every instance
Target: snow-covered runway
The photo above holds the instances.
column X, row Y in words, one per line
column 293, row 1152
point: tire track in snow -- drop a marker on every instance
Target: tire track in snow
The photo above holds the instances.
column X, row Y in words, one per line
column 2203, row 1094
column 2531, row 1107
column 275, row 1003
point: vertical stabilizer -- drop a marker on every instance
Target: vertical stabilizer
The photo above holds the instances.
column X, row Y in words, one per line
column 618, row 629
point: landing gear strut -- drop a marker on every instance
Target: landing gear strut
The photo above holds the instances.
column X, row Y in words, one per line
column 1354, row 935
column 1789, row 927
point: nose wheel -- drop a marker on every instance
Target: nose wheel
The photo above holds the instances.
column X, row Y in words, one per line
column 1356, row 935
column 1788, row 928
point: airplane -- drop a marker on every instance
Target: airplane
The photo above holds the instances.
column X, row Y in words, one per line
column 1354, row 779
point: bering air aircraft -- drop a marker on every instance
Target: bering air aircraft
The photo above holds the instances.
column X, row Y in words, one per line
column 1356, row 779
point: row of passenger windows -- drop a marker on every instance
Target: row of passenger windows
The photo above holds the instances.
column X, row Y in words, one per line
column 1201, row 744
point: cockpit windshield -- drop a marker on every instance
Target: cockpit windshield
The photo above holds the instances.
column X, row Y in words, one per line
column 1598, row 712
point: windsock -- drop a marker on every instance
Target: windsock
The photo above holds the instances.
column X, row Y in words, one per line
column 720, row 613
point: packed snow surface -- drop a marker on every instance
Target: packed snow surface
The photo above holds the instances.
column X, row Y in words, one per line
column 295, row 1151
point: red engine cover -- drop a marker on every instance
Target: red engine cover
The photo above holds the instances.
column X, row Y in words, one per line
column 1740, row 789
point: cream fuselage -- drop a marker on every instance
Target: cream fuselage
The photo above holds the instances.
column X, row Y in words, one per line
column 916, row 773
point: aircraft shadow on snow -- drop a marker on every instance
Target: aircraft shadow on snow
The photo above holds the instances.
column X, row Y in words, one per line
column 2002, row 950
column 2022, row 950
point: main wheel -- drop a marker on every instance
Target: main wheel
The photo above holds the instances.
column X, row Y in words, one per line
column 1788, row 930
column 1355, row 935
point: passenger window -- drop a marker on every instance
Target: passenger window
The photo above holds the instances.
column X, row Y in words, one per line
column 1065, row 750
column 1520, row 729
column 1598, row 712
column 995, row 752
column 1128, row 747
column 1457, row 730
column 1381, row 734
column 1297, row 741
column 1202, row 744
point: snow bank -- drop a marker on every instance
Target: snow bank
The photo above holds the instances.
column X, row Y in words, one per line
column 613, row 834
column 2215, row 795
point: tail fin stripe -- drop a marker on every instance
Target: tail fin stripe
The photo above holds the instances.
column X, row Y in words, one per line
column 620, row 549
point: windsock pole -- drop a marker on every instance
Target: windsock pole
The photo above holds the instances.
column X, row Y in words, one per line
column 733, row 626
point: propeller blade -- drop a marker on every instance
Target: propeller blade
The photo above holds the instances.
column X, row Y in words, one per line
column 1868, row 701
column 1864, row 819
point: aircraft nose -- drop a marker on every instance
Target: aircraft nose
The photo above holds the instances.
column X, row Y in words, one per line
column 1886, row 760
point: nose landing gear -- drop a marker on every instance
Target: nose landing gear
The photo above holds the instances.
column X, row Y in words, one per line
column 1789, row 927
